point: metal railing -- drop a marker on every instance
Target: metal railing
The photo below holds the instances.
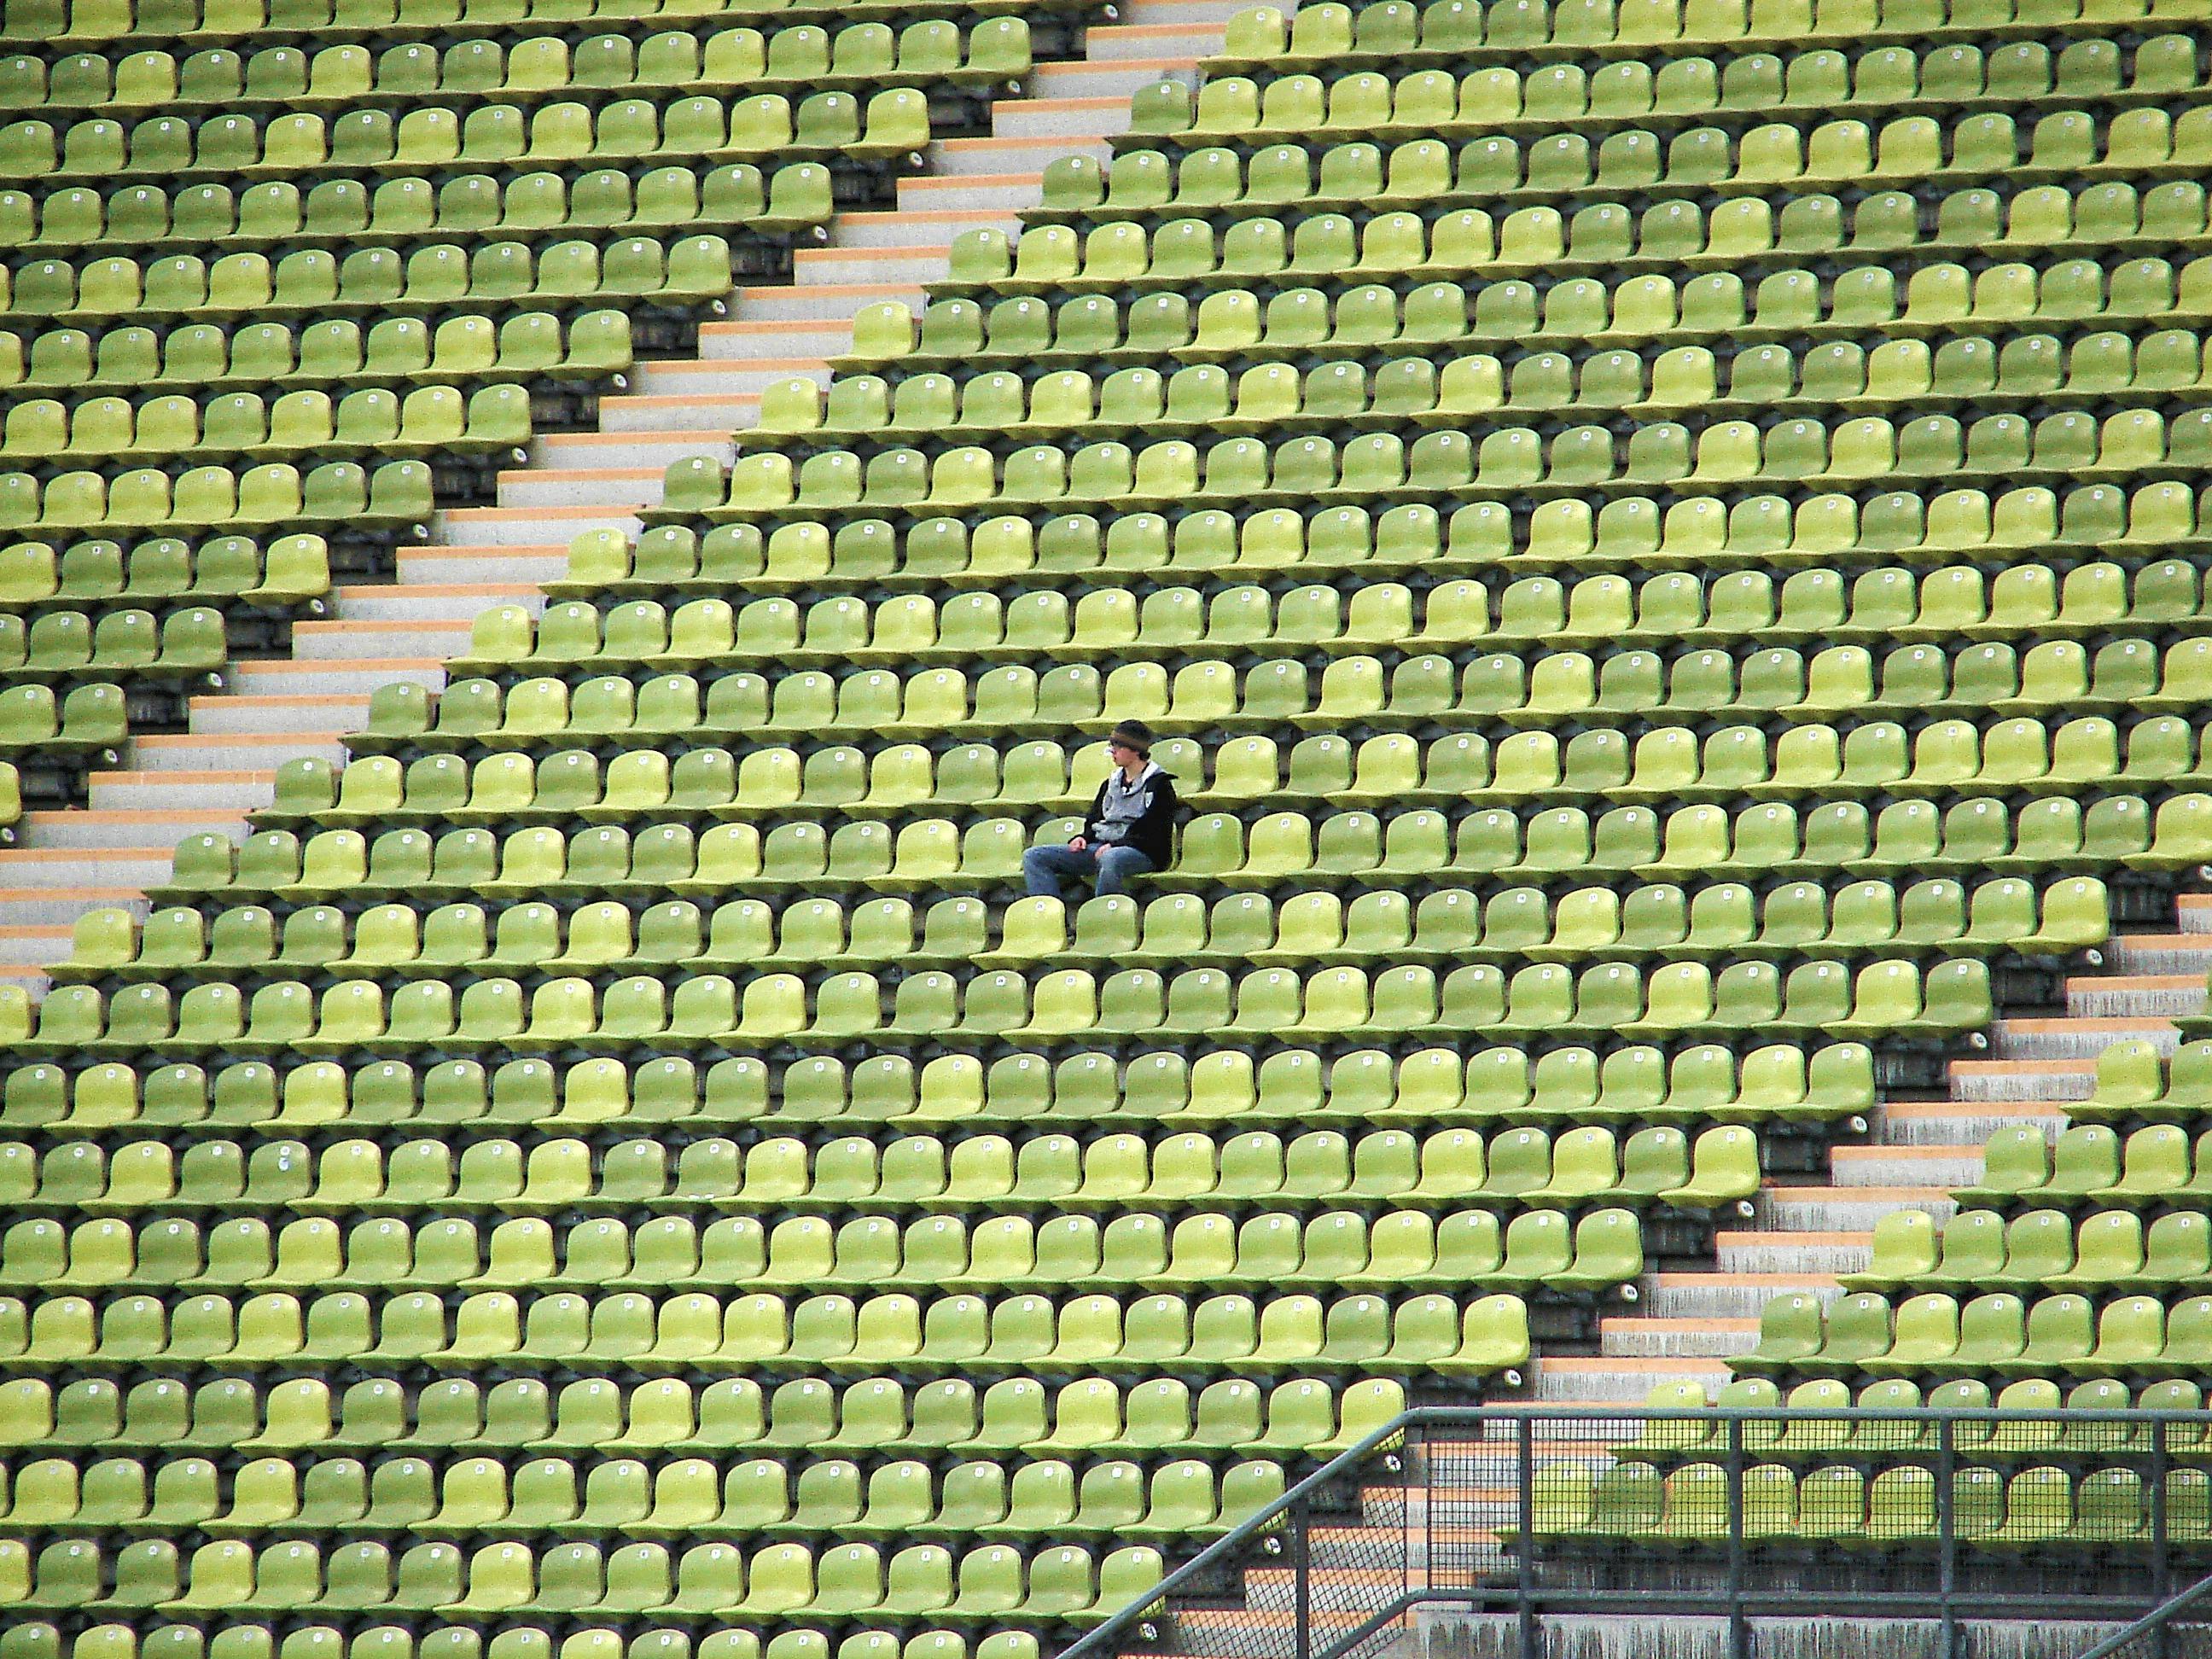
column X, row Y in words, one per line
column 1525, row 1514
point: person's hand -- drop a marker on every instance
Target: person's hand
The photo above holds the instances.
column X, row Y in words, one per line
column 1078, row 843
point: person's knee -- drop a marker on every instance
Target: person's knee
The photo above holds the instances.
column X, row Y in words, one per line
column 1036, row 860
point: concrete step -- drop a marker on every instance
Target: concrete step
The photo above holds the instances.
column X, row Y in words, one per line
column 433, row 602
column 27, row 905
column 1726, row 1294
column 239, row 752
column 353, row 677
column 2083, row 1038
column 527, row 526
column 1769, row 1249
column 284, row 716
column 565, row 450
column 38, row 947
column 1121, row 78
column 1124, row 43
column 109, row 869
column 1656, row 1337
column 912, row 225
column 979, row 158
column 715, row 378
column 918, row 262
column 819, row 301
column 1180, row 11
column 710, row 416
column 1828, row 1209
column 520, row 569
column 339, row 644
column 1957, row 1166
column 2023, row 1081
column 751, row 340
column 179, row 791
column 139, row 830
column 1061, row 116
column 608, row 491
column 2140, row 996
column 1959, row 1123
column 2192, row 913
column 1628, row 1381
column 2160, row 953
column 981, row 193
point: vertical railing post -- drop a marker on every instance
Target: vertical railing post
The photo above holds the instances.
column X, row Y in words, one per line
column 1524, row 1593
column 1946, row 1535
column 1301, row 1582
column 2161, row 1564
column 1738, row 1626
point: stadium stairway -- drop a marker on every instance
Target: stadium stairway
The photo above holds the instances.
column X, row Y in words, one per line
column 224, row 765
column 1801, row 1236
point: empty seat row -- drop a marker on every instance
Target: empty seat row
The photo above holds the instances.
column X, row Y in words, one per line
column 1379, row 466
column 1887, row 997
column 1065, row 1584
column 2090, row 1161
column 1878, row 1440
column 228, row 570
column 1206, row 396
column 1997, row 1333
column 1883, row 604
column 2022, row 753
column 1088, row 1416
column 1521, row 1168
column 69, row 644
column 533, row 66
column 1630, row 530
column 1184, row 250
column 1772, row 1083
column 2106, row 1249
column 98, row 22
column 1357, row 1335
column 1694, row 1507
column 112, row 431
column 1397, row 1250
column 1527, row 686
column 336, row 351
column 988, row 1173
column 1074, row 333
column 36, row 1639
column 489, row 135
column 85, row 720
column 1050, row 1499
column 1296, row 315
column 398, row 942
column 271, row 495
column 1823, row 80
column 566, row 274
column 2137, row 1081
column 1212, row 694
column 537, row 205
column 1403, row 32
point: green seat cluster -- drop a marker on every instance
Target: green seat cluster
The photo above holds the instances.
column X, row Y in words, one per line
column 1662, row 542
column 257, row 271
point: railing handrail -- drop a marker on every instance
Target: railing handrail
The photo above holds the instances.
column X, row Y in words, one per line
column 1231, row 1544
column 2156, row 1619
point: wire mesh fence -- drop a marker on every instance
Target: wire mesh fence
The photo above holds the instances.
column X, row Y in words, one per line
column 2084, row 1518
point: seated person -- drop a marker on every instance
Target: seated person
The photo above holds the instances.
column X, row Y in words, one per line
column 1130, row 827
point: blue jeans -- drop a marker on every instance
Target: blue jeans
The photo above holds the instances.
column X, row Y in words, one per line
column 1044, row 868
